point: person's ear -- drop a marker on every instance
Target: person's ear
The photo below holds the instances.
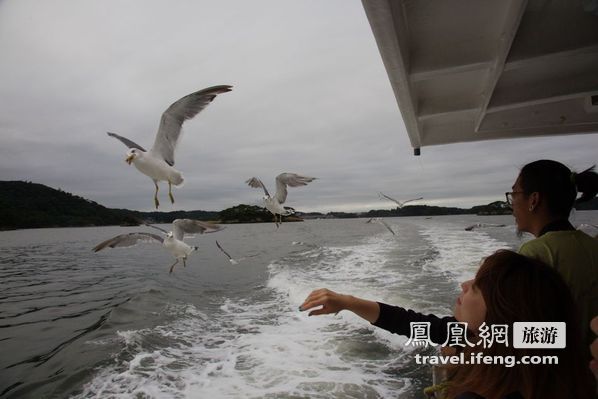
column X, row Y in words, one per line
column 533, row 200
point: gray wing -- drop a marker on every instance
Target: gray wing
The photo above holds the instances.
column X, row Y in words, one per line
column 223, row 251
column 173, row 118
column 156, row 227
column 387, row 226
column 289, row 179
column 180, row 227
column 128, row 240
column 414, row 199
column 390, row 198
column 257, row 183
column 126, row 141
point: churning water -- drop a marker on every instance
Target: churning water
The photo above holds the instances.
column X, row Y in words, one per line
column 115, row 324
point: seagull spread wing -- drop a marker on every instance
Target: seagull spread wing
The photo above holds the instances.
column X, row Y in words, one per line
column 289, row 179
column 156, row 227
column 180, row 227
column 230, row 258
column 128, row 240
column 126, row 141
column 399, row 203
column 222, row 249
column 414, row 199
column 387, row 226
column 173, row 118
column 381, row 194
column 257, row 183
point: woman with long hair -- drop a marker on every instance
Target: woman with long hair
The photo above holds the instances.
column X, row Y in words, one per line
column 507, row 288
column 542, row 199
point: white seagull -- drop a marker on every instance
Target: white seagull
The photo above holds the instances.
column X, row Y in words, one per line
column 173, row 242
column 232, row 260
column 274, row 204
column 399, row 203
column 158, row 162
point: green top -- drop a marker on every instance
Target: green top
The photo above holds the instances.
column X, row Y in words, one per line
column 574, row 254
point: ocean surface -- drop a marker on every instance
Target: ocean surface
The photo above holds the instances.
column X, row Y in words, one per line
column 115, row 324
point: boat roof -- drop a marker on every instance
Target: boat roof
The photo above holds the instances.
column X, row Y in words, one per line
column 470, row 70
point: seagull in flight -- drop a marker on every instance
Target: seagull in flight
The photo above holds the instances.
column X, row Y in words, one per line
column 173, row 242
column 158, row 162
column 232, row 260
column 274, row 204
column 399, row 203
column 382, row 222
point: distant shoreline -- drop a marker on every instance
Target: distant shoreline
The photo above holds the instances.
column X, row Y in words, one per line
column 27, row 205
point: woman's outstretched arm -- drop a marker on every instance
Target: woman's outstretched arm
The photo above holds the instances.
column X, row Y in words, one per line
column 333, row 302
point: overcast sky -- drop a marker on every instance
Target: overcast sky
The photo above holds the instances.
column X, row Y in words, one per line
column 310, row 96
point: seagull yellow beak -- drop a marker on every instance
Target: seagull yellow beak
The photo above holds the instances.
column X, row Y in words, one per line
column 129, row 159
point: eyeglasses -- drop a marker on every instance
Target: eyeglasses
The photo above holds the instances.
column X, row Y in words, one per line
column 509, row 196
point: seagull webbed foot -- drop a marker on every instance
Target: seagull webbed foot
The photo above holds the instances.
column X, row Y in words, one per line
column 172, row 267
column 156, row 202
column 170, row 193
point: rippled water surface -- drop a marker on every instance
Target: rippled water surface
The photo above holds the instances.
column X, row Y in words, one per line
column 115, row 324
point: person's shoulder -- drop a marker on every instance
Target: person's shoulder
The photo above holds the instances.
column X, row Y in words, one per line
column 572, row 236
column 566, row 236
column 546, row 246
column 532, row 246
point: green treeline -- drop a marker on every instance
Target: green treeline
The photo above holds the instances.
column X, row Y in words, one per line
column 26, row 205
column 32, row 205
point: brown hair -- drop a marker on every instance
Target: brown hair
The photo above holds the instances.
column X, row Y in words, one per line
column 520, row 289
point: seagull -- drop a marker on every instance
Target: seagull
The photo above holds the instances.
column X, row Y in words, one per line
column 173, row 242
column 274, row 204
column 399, row 203
column 378, row 220
column 158, row 162
column 230, row 258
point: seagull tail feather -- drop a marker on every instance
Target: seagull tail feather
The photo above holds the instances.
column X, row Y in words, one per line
column 178, row 180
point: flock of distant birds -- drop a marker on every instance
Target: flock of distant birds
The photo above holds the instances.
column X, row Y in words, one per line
column 158, row 165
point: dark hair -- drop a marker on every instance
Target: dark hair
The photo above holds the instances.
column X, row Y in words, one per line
column 516, row 288
column 558, row 184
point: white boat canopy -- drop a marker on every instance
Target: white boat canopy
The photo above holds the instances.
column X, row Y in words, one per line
column 469, row 70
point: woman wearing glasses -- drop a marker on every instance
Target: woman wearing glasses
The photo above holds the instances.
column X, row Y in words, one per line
column 542, row 198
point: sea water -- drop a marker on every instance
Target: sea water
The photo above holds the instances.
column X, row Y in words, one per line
column 115, row 324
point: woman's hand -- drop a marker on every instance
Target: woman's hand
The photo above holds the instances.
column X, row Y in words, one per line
column 333, row 302
column 330, row 301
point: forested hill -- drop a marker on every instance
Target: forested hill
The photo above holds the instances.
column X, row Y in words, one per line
column 31, row 205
